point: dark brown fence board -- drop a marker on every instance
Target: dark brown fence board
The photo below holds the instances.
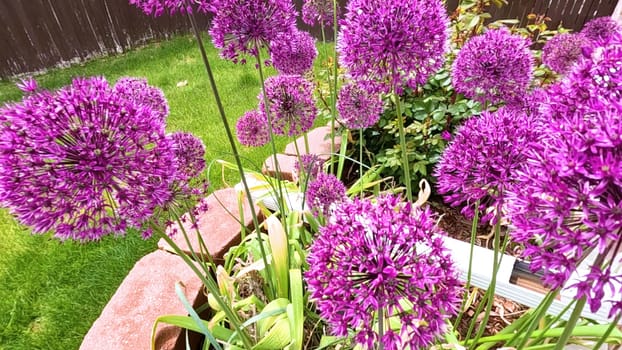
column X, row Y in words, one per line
column 39, row 34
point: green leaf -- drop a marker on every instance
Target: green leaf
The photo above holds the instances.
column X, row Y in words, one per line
column 295, row 310
column 280, row 254
column 275, row 307
column 277, row 337
column 328, row 340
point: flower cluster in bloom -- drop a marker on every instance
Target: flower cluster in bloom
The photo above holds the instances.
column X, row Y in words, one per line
column 358, row 108
column 140, row 92
column 242, row 27
column 562, row 51
column 601, row 29
column 189, row 155
column 324, row 191
column 28, row 85
column 252, row 129
column 292, row 108
column 378, row 257
column 311, row 167
column 479, row 164
column 594, row 80
column 318, row 11
column 83, row 161
column 568, row 201
column 158, row 7
column 393, row 43
column 493, row 67
column 293, row 53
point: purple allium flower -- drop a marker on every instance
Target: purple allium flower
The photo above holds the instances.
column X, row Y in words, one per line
column 292, row 108
column 28, row 85
column 156, row 8
column 562, row 51
column 495, row 66
column 601, row 29
column 293, row 53
column 252, row 129
column 83, row 161
column 393, row 42
column 568, row 199
column 480, row 162
column 311, row 167
column 318, row 11
column 379, row 256
column 595, row 80
column 241, row 27
column 189, row 154
column 446, row 135
column 138, row 90
column 324, row 191
column 358, row 107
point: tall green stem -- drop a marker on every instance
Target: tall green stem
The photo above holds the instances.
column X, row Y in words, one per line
column 225, row 122
column 493, row 279
column 405, row 162
column 467, row 286
column 361, row 159
column 211, row 286
column 380, row 328
column 280, row 199
column 572, row 322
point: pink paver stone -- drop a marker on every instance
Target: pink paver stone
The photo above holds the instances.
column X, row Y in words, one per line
column 287, row 164
column 146, row 293
column 319, row 143
column 219, row 226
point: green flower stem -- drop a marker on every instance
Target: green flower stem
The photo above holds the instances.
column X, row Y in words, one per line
column 591, row 331
column 540, row 312
column 380, row 328
column 570, row 325
column 467, row 286
column 334, row 94
column 223, row 117
column 271, row 133
column 361, row 160
column 405, row 162
column 607, row 333
column 493, row 279
column 212, row 287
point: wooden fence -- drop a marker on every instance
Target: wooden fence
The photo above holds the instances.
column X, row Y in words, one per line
column 39, row 34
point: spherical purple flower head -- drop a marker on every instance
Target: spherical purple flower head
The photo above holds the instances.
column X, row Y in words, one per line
column 311, row 167
column 83, row 161
column 393, row 42
column 28, row 85
column 358, row 107
column 252, row 129
column 382, row 256
column 324, row 191
column 495, row 66
column 189, row 154
column 562, row 51
column 293, row 53
column 480, row 162
column 601, row 29
column 156, row 8
column 318, row 11
column 595, row 80
column 241, row 26
column 568, row 200
column 140, row 92
column 292, row 108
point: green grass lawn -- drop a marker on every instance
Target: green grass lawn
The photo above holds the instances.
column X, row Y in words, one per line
column 51, row 291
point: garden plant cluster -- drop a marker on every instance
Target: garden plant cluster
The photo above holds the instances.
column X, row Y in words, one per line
column 523, row 139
